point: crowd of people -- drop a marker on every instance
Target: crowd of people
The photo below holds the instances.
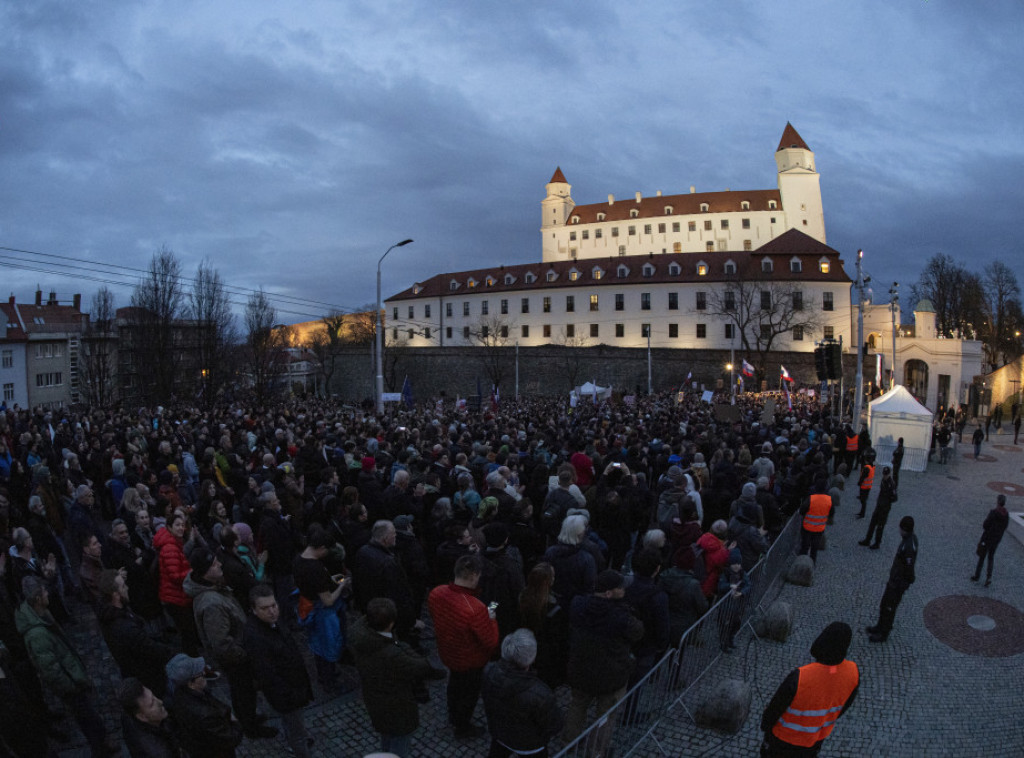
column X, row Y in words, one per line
column 528, row 540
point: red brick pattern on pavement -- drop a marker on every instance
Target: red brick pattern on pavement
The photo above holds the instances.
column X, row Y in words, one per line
column 946, row 618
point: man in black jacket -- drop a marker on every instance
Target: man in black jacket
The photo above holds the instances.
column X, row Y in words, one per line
column 602, row 629
column 378, row 572
column 144, row 722
column 901, row 576
column 137, row 654
column 204, row 723
column 278, row 666
column 992, row 534
column 522, row 712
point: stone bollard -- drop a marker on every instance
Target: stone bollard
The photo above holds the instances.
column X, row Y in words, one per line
column 801, row 571
column 726, row 707
column 779, row 621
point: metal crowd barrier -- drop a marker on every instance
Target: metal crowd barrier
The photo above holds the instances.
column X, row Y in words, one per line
column 631, row 722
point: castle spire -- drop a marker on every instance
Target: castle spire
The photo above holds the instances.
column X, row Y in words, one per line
column 791, row 139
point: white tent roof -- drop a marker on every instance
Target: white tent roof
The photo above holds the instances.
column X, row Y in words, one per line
column 899, row 400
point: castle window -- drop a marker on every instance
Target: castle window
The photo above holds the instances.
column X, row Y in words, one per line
column 597, row 272
column 471, row 283
column 620, row 330
column 504, row 307
column 673, row 301
column 622, row 249
column 509, row 279
column 552, row 276
column 570, row 330
column 572, row 236
column 798, row 333
column 702, row 301
column 547, row 330
column 620, row 302
column 615, row 231
column 745, row 223
column 575, row 219
column 632, row 231
column 766, row 265
column 707, row 226
column 448, row 310
column 772, row 205
column 702, row 268
column 648, row 270
column 827, row 303
column 725, row 223
column 598, row 234
column 524, row 305
column 823, row 266
column 453, row 285
column 730, row 267
column 675, row 226
column 484, row 309
column 669, row 210
column 465, row 308
column 546, row 305
column 677, row 247
column 748, row 245
column 594, row 331
column 525, row 331
column 530, row 277
column 702, row 331
column 622, row 271
column 673, row 331
column 490, row 281
column 600, row 217
column 745, row 205
column 586, row 234
column 709, row 246
column 691, row 226
column 634, row 213
column 661, row 228
column 795, row 265
column 647, row 228
column 573, row 275
column 704, row 207
column 645, row 301
column 593, row 302
column 674, row 268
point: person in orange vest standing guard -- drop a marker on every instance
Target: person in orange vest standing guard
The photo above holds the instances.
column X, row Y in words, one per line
column 807, row 704
column 815, row 511
column 867, row 479
column 852, row 440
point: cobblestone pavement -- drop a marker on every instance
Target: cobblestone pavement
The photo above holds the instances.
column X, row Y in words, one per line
column 918, row 695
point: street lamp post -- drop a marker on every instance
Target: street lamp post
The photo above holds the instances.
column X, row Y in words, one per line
column 732, row 383
column 894, row 298
column 858, row 397
column 380, row 356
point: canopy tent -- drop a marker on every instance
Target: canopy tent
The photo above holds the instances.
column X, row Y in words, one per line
column 590, row 391
column 897, row 414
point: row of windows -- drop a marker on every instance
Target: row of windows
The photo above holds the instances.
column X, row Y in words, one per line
column 648, row 270
column 50, row 379
column 620, row 331
column 662, row 228
column 49, row 350
column 669, row 211
column 700, row 303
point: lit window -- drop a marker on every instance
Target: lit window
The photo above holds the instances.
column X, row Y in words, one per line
column 823, row 266
column 552, row 276
column 677, row 247
column 574, row 275
column 597, row 273
column 702, row 269
column 593, row 302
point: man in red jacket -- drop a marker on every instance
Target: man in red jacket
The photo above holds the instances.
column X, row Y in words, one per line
column 467, row 636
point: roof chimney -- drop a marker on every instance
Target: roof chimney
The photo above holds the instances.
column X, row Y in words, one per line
column 611, row 200
column 638, row 197
column 658, row 193
column 52, row 299
column 39, row 297
column 693, row 190
column 76, row 301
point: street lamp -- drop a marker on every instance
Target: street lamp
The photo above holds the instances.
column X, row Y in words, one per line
column 894, row 298
column 380, row 358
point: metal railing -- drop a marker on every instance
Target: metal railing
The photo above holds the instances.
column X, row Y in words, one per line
column 632, row 721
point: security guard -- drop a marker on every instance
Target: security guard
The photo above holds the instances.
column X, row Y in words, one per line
column 815, row 510
column 807, row 704
column 867, row 479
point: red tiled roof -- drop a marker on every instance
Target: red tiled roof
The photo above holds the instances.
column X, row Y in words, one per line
column 558, row 176
column 688, row 204
column 790, row 138
column 748, row 266
column 15, row 334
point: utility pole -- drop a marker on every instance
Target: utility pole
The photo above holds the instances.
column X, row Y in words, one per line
column 894, row 298
column 650, row 384
column 858, row 397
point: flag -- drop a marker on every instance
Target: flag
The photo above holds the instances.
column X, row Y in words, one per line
column 747, row 369
column 407, row 393
column 789, row 398
column 460, row 404
column 495, row 398
column 689, row 376
column 785, row 374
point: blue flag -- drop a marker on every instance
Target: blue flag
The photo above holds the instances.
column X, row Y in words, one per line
column 407, row 393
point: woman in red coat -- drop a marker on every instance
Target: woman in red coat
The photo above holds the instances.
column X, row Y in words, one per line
column 174, row 567
column 716, row 555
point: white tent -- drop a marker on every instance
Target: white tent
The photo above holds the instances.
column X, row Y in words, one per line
column 590, row 390
column 897, row 414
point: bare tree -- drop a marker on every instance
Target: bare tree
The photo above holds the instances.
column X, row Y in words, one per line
column 1001, row 326
column 761, row 311
column 491, row 334
column 98, row 363
column 265, row 345
column 362, row 325
column 326, row 345
column 571, row 353
column 956, row 294
column 210, row 309
column 156, row 306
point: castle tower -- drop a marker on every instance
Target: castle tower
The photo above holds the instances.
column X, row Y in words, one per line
column 555, row 209
column 799, row 186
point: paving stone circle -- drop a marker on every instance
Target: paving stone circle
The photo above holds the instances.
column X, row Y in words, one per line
column 1008, row 448
column 975, row 625
column 1007, row 488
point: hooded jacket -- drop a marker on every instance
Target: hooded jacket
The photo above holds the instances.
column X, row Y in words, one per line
column 602, row 629
column 60, row 666
column 174, row 567
column 220, row 621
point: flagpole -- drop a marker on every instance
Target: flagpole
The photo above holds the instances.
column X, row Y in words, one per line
column 650, row 385
column 732, row 371
column 517, row 369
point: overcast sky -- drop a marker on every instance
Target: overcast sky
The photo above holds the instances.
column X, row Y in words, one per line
column 291, row 143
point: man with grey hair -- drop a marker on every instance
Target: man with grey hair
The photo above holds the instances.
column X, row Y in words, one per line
column 278, row 538
column 377, row 572
column 575, row 568
column 522, row 712
column 496, row 489
column 60, row 667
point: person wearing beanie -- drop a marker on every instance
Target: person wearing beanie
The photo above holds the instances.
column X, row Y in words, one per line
column 220, row 620
column 602, row 628
column 805, row 707
column 204, row 723
column 901, row 576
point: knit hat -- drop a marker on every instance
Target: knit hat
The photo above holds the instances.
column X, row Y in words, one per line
column 496, row 535
column 403, row 523
column 675, row 474
column 201, row 560
column 735, row 556
column 368, row 463
column 831, row 646
column 907, row 524
column 244, row 532
column 183, row 668
column 749, row 490
column 609, row 580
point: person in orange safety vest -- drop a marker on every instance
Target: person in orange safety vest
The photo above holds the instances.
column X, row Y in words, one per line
column 815, row 511
column 867, row 479
column 805, row 707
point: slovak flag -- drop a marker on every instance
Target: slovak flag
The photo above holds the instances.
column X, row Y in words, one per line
column 785, row 374
column 747, row 369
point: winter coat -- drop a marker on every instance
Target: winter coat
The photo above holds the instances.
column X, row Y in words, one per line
column 174, row 568
column 522, row 712
column 390, row 671
column 575, row 571
column 995, row 526
column 378, row 572
column 650, row 604
column 277, row 664
column 238, row 575
column 204, row 724
column 501, row 582
column 751, row 543
column 135, row 651
column 602, row 630
column 466, row 634
column 670, row 503
column 277, row 539
column 148, row 741
column 220, row 621
column 686, row 601
column 59, row 665
column 901, row 574
column 715, row 557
